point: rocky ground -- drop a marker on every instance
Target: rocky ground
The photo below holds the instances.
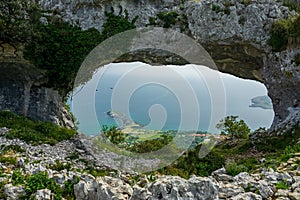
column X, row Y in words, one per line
column 65, row 162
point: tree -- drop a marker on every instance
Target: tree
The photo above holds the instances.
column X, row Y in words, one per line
column 16, row 19
column 233, row 127
column 114, row 135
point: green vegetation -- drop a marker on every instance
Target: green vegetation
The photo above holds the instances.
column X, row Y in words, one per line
column 282, row 185
column 292, row 5
column 55, row 46
column 242, row 20
column 234, row 169
column 285, row 32
column 139, row 144
column 150, row 145
column 33, row 131
column 297, row 59
column 216, row 8
column 168, row 18
column 275, row 150
column 16, row 18
column 231, row 126
column 246, row 2
column 59, row 166
column 190, row 163
column 60, row 49
column 41, row 181
column 117, row 23
column 113, row 134
column 13, row 147
column 17, row 177
column 68, row 191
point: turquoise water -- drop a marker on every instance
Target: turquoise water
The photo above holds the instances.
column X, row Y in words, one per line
column 164, row 97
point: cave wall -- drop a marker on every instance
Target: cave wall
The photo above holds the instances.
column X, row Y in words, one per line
column 22, row 92
column 234, row 32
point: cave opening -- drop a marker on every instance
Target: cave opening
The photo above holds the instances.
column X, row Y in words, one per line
column 132, row 94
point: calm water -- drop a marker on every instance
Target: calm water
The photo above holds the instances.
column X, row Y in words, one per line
column 170, row 98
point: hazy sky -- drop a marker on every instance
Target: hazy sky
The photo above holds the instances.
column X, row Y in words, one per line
column 196, row 89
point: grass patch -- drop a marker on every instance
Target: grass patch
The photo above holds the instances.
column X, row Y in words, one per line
column 292, row 5
column 282, row 185
column 168, row 18
column 34, row 132
column 297, row 59
column 234, row 169
column 59, row 166
column 285, row 32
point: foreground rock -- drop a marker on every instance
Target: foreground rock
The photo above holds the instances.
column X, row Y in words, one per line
column 282, row 184
column 172, row 187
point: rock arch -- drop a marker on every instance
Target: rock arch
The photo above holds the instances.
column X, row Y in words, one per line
column 235, row 33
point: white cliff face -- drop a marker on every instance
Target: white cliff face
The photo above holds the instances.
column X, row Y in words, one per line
column 216, row 20
column 90, row 13
column 235, row 31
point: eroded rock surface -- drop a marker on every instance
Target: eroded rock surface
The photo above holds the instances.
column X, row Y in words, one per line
column 235, row 33
column 22, row 91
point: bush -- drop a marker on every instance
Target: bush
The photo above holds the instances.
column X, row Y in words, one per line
column 113, row 134
column 33, row 131
column 297, row 59
column 282, row 30
column 117, row 23
column 279, row 36
column 41, row 181
column 17, row 177
column 231, row 126
column 234, row 169
column 292, row 5
column 60, row 48
column 16, row 19
column 190, row 163
column 168, row 18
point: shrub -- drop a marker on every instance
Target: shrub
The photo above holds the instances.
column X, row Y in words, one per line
column 168, row 18
column 60, row 48
column 117, row 23
column 283, row 30
column 231, row 126
column 282, row 185
column 297, row 59
column 292, row 5
column 16, row 19
column 279, row 36
column 113, row 134
column 41, row 181
column 234, row 169
column 17, row 177
column 68, row 188
column 216, row 8
column 33, row 131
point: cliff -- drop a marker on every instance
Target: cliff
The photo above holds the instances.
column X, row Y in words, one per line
column 235, row 33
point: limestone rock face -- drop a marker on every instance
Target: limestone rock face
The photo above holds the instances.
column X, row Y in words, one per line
column 22, row 92
column 102, row 188
column 44, row 194
column 235, row 34
column 13, row 192
column 172, row 187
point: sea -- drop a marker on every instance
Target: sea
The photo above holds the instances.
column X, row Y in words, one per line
column 185, row 98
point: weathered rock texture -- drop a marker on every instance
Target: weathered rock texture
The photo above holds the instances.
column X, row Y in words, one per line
column 22, row 91
column 234, row 32
column 263, row 184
